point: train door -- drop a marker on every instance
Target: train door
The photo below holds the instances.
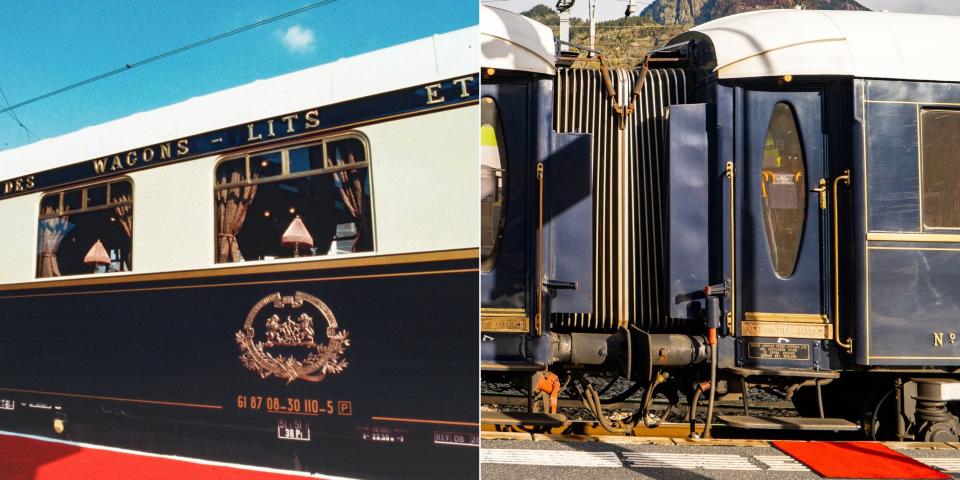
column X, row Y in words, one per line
column 783, row 278
column 505, row 143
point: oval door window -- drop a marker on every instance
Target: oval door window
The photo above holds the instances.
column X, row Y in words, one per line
column 783, row 191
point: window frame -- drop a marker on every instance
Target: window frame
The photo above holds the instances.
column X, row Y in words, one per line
column 922, row 165
column 770, row 230
column 84, row 209
column 284, row 148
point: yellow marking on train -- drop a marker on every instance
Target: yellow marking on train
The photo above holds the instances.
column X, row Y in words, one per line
column 118, row 399
column 422, row 420
column 264, row 282
column 240, row 269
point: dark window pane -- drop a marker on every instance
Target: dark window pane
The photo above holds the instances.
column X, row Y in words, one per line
column 50, row 204
column 783, row 191
column 121, row 192
column 493, row 167
column 306, row 159
column 265, row 165
column 97, row 196
column 66, row 243
column 333, row 209
column 940, row 130
column 345, row 152
column 72, row 200
column 232, row 171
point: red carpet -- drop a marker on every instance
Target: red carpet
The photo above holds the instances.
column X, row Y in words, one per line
column 30, row 459
column 856, row 460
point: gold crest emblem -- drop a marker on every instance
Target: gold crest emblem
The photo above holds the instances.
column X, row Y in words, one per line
column 272, row 356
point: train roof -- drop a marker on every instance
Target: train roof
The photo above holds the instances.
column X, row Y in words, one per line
column 510, row 41
column 399, row 66
column 831, row 42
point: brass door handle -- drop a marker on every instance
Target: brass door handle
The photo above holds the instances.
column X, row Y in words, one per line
column 848, row 344
column 821, row 189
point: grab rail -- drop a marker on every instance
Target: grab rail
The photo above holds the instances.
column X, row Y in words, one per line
column 848, row 344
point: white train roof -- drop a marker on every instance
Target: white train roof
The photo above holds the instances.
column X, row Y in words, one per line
column 830, row 42
column 513, row 42
column 404, row 65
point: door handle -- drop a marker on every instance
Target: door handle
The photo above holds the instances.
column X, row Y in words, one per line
column 848, row 344
column 821, row 189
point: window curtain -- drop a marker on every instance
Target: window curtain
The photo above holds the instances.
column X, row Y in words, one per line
column 52, row 231
column 232, row 206
column 350, row 185
column 124, row 215
column 125, row 218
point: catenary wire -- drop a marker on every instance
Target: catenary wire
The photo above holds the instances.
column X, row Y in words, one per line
column 168, row 53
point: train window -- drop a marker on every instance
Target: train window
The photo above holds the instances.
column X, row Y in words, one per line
column 783, row 191
column 493, row 167
column 266, row 165
column 306, row 159
column 297, row 202
column 940, row 132
column 80, row 231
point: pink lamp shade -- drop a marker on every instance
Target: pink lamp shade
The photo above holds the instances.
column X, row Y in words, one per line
column 296, row 234
column 97, row 255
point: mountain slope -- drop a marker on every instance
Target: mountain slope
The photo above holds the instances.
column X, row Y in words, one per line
column 695, row 12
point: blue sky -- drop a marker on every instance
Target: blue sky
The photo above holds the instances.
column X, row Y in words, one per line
column 48, row 44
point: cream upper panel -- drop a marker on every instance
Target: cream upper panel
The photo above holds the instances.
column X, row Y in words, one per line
column 425, row 185
column 173, row 225
column 18, row 238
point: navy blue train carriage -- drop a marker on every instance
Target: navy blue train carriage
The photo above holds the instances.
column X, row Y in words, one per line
column 770, row 200
column 264, row 275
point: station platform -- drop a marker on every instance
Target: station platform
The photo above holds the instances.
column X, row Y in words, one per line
column 28, row 457
column 507, row 456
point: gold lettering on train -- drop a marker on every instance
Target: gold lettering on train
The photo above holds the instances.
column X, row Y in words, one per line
column 147, row 155
column 937, row 339
column 131, row 158
column 182, row 147
column 312, row 119
column 250, row 136
column 463, row 86
column 100, row 165
column 116, row 165
column 270, row 132
column 433, row 96
column 289, row 119
column 165, row 151
column 18, row 185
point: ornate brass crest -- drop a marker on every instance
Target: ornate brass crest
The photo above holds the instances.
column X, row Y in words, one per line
column 289, row 350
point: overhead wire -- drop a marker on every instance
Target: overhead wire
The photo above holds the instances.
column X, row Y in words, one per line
column 167, row 54
column 14, row 116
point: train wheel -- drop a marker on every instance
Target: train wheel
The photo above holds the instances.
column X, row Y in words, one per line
column 880, row 415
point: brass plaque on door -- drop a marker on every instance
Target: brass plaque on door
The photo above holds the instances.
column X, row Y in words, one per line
column 786, row 330
column 504, row 320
